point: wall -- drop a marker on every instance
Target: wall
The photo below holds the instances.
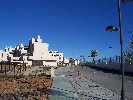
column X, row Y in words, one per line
column 3, row 56
column 114, row 66
column 49, row 63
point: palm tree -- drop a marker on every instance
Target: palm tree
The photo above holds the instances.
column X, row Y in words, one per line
column 94, row 53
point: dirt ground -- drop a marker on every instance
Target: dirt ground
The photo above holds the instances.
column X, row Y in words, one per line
column 27, row 87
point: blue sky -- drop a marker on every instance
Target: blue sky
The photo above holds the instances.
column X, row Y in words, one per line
column 67, row 25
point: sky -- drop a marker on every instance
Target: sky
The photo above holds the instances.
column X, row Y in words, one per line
column 74, row 27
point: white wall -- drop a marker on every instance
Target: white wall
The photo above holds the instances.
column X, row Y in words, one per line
column 29, row 63
column 15, row 58
column 56, row 54
column 3, row 56
column 66, row 60
column 49, row 63
column 40, row 49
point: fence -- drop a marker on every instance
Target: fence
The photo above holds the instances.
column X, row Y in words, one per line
column 12, row 66
column 113, row 63
column 113, row 59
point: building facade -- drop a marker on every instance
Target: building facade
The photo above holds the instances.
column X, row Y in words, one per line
column 58, row 55
column 36, row 54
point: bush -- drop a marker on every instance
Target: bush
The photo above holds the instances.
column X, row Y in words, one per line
column 17, row 76
column 2, row 76
column 30, row 75
column 21, row 76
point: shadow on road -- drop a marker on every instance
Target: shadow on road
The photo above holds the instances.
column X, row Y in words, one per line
column 113, row 71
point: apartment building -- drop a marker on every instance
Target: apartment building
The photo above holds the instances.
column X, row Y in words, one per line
column 35, row 53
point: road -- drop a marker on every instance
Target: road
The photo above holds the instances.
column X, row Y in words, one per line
column 108, row 80
column 67, row 85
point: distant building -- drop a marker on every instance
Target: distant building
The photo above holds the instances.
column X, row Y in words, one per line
column 58, row 55
column 76, row 61
column 3, row 56
column 36, row 53
column 66, row 62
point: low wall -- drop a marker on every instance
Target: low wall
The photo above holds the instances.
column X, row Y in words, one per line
column 114, row 66
column 49, row 63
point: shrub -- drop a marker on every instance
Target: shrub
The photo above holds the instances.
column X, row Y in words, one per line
column 2, row 76
column 21, row 76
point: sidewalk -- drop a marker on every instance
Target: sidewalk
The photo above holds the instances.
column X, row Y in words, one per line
column 62, row 88
column 68, row 86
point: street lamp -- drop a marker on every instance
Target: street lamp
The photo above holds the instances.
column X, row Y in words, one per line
column 113, row 28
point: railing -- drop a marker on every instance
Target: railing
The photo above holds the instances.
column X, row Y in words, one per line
column 112, row 63
column 113, row 59
column 12, row 67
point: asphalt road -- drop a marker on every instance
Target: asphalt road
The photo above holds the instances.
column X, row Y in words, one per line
column 108, row 80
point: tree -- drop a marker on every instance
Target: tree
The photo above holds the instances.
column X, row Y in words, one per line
column 82, row 60
column 94, row 53
column 72, row 61
column 131, row 41
column 128, row 54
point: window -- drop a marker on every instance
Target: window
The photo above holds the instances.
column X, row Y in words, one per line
column 2, row 55
column 26, row 48
column 36, row 40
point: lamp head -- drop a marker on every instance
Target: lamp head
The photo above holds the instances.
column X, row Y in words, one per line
column 111, row 28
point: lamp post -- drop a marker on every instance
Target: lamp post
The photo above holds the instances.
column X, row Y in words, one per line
column 121, row 45
column 113, row 28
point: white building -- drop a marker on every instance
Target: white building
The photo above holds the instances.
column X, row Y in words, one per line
column 36, row 53
column 3, row 56
column 76, row 61
column 59, row 56
column 66, row 61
